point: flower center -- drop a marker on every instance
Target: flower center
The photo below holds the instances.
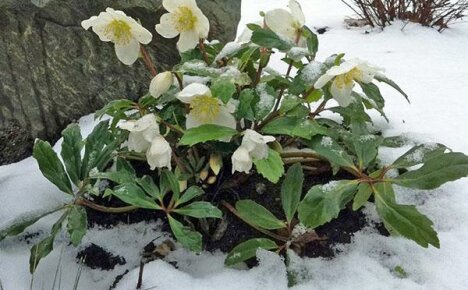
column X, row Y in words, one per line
column 205, row 108
column 346, row 80
column 119, row 31
column 184, row 19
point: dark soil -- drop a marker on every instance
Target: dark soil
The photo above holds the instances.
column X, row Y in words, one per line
column 96, row 257
column 338, row 231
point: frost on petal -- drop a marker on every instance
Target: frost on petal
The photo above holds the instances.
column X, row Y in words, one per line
column 141, row 34
column 128, row 53
column 282, row 23
column 187, row 40
column 322, row 81
column 159, row 154
column 191, row 91
column 296, row 11
column 342, row 93
column 165, row 27
column 241, row 160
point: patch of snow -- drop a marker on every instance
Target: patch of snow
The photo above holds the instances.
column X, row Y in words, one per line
column 230, row 48
column 312, row 72
column 326, row 141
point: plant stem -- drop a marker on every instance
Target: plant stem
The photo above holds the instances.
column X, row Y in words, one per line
column 302, row 155
column 263, row 231
column 90, row 204
column 148, row 61
column 201, row 46
column 319, row 109
column 179, row 80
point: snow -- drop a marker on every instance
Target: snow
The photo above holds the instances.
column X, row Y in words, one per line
column 431, row 67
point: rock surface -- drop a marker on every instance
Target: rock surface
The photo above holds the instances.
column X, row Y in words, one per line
column 52, row 71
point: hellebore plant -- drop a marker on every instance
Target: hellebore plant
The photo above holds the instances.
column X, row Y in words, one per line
column 223, row 115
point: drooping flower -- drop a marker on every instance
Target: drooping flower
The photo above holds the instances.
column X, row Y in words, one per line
column 204, row 108
column 144, row 136
column 287, row 24
column 186, row 19
column 344, row 77
column 126, row 34
column 160, row 84
column 253, row 147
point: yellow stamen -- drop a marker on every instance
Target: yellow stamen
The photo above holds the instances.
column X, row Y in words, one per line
column 119, row 31
column 184, row 19
column 346, row 80
column 205, row 108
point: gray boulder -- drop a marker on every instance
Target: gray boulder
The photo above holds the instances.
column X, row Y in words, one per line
column 52, row 71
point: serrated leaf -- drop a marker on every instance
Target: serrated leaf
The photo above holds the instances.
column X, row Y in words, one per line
column 404, row 220
column 190, row 239
column 419, row 154
column 323, row 203
column 191, row 193
column 247, row 99
column 268, row 39
column 373, row 93
column 168, row 182
column 294, row 127
column 384, row 79
column 248, row 249
column 77, row 223
column 266, row 100
column 272, row 167
column 366, row 148
column 223, row 89
column 51, row 166
column 257, row 215
column 291, row 190
column 94, row 144
column 204, row 133
column 71, row 151
column 148, row 185
column 132, row 194
column 329, row 149
column 200, row 209
column 436, row 171
column 362, row 196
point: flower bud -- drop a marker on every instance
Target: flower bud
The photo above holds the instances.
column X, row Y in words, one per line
column 159, row 154
column 160, row 84
column 241, row 160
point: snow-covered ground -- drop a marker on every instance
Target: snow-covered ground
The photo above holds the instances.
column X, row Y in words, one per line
column 431, row 67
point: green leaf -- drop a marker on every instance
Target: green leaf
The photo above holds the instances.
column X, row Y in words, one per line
column 362, row 196
column 115, row 107
column 384, row 79
column 257, row 215
column 329, row 149
column 191, row 193
column 51, row 167
column 403, row 220
column 436, row 171
column 115, row 176
column 200, row 209
column 291, row 190
column 71, row 151
column 272, row 167
column 77, row 223
column 124, row 165
column 266, row 100
column 323, row 203
column 366, row 147
column 373, row 93
column 267, row 38
column 95, row 143
column 294, row 127
column 248, row 249
column 223, row 89
column 148, row 185
column 19, row 224
column 190, row 239
column 132, row 194
column 419, row 154
column 311, row 40
column 207, row 132
column 45, row 246
column 395, row 141
column 168, row 182
column 247, row 99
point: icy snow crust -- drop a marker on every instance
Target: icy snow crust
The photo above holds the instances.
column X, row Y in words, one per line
column 432, row 69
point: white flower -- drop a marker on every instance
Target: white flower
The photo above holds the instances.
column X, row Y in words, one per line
column 246, row 34
column 241, row 160
column 142, row 132
column 287, row 24
column 205, row 109
column 344, row 76
column 160, row 84
column 145, row 137
column 186, row 19
column 254, row 146
column 159, row 154
column 122, row 30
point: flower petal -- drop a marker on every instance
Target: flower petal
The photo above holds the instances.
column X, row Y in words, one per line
column 136, row 142
column 202, row 25
column 342, row 94
column 187, row 40
column 159, row 153
column 241, row 160
column 172, row 5
column 141, row 34
column 166, row 27
column 282, row 23
column 225, row 118
column 323, row 80
column 191, row 121
column 342, row 68
column 191, row 91
column 128, row 53
column 296, row 12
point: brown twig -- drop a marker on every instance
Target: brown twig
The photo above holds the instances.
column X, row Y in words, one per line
column 90, row 204
column 148, row 61
column 201, row 46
